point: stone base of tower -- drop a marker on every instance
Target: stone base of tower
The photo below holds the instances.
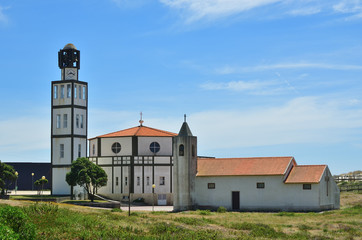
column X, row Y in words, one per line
column 59, row 185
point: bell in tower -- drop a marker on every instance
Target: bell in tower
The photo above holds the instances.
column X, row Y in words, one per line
column 69, row 62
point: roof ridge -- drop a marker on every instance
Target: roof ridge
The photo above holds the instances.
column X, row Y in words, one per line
column 312, row 165
column 115, row 132
column 247, row 157
column 158, row 130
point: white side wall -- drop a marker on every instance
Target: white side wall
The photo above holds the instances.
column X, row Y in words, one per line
column 60, row 186
column 275, row 196
column 57, row 160
column 165, row 146
column 106, row 146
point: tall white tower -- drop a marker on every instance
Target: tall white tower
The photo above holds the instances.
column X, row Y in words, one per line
column 69, row 119
column 184, row 169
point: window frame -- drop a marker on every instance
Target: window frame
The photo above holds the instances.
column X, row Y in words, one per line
column 65, row 120
column 162, row 180
column 307, row 186
column 115, row 146
column 58, row 121
column 61, row 150
column 260, row 185
column 155, row 147
column 211, row 185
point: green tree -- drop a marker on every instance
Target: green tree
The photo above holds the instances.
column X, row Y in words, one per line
column 88, row 175
column 40, row 184
column 7, row 177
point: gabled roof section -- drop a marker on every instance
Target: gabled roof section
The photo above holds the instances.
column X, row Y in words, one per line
column 243, row 166
column 140, row 131
column 185, row 130
column 306, row 174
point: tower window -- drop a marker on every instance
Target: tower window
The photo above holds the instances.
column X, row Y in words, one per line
column 55, row 91
column 181, row 149
column 79, row 150
column 155, row 147
column 61, row 91
column 148, row 181
column 65, row 120
column 81, row 121
column 307, row 186
column 68, row 91
column 116, row 181
column 75, row 91
column 138, row 181
column 80, row 91
column 116, row 147
column 77, row 121
column 58, row 120
column 193, row 150
column 84, row 92
column 61, row 151
column 94, row 149
column 162, row 180
column 126, row 181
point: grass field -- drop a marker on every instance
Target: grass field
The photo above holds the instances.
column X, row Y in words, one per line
column 63, row 221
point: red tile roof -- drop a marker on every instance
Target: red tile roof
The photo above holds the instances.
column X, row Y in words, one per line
column 306, row 174
column 243, row 166
column 140, row 131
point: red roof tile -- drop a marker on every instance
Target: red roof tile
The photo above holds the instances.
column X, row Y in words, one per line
column 306, row 174
column 243, row 166
column 140, row 131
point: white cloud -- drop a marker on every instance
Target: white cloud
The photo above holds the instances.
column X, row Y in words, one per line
column 305, row 11
column 253, row 87
column 303, row 65
column 351, row 7
column 3, row 17
column 200, row 9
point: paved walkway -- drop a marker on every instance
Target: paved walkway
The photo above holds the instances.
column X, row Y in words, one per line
column 148, row 208
column 22, row 192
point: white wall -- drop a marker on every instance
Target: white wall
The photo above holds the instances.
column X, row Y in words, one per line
column 78, row 130
column 56, row 151
column 93, row 142
column 126, row 146
column 165, row 146
column 60, row 186
column 275, row 196
column 62, row 130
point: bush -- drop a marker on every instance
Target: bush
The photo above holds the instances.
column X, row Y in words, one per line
column 287, row 214
column 204, row 212
column 7, row 233
column 42, row 208
column 116, row 210
column 221, row 210
column 18, row 221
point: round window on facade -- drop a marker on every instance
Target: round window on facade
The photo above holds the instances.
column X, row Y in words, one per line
column 116, row 147
column 155, row 147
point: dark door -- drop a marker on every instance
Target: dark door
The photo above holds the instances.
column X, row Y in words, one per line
column 235, row 200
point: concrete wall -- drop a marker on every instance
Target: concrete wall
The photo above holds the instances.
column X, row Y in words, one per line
column 328, row 192
column 60, row 186
column 165, row 146
column 106, row 146
column 276, row 196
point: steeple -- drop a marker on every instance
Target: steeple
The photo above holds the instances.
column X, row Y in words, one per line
column 185, row 130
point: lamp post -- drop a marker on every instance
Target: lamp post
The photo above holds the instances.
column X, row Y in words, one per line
column 153, row 197
column 32, row 181
column 16, row 181
column 42, row 184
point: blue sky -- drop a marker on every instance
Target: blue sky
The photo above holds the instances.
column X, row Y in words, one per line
column 255, row 77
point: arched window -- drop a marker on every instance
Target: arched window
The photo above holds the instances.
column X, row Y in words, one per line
column 116, row 147
column 193, row 150
column 155, row 147
column 181, row 150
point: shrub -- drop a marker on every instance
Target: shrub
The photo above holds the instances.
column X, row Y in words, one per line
column 204, row 212
column 287, row 214
column 221, row 210
column 7, row 233
column 116, row 210
column 18, row 221
column 42, row 208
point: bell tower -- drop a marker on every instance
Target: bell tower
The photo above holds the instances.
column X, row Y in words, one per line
column 185, row 169
column 69, row 118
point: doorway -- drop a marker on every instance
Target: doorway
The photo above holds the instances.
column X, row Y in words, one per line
column 235, row 201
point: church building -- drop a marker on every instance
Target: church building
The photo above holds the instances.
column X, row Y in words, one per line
column 162, row 167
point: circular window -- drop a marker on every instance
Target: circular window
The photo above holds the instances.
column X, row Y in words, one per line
column 155, row 147
column 116, row 147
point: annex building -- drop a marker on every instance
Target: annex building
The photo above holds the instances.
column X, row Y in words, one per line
column 164, row 168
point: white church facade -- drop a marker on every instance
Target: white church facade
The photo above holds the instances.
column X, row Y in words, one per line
column 163, row 167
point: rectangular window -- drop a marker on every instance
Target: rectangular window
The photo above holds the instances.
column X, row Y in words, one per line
column 307, row 186
column 94, row 149
column 61, row 150
column 80, row 91
column 116, row 181
column 126, row 181
column 55, row 91
column 58, row 120
column 65, row 120
column 75, row 91
column 260, row 185
column 211, row 185
column 84, row 92
column 148, row 181
column 138, row 181
column 77, row 121
column 79, row 150
column 162, row 180
column 81, row 121
column 69, row 91
column 61, row 91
